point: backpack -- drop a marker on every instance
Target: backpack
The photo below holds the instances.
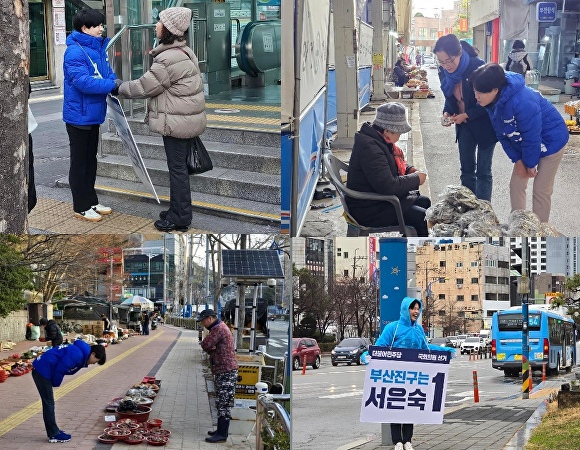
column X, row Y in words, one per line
column 517, row 67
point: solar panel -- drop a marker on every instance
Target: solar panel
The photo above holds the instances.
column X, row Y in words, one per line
column 253, row 264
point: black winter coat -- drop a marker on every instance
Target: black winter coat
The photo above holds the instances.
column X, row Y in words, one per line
column 52, row 333
column 478, row 122
column 372, row 168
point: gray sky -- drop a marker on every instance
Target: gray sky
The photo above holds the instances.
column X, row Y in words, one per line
column 429, row 7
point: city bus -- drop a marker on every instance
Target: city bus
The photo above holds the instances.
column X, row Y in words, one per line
column 551, row 340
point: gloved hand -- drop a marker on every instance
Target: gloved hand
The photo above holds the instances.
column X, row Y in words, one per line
column 118, row 83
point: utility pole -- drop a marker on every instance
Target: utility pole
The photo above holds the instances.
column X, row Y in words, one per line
column 524, row 290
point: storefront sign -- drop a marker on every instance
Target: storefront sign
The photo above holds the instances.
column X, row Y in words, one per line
column 405, row 386
column 546, row 11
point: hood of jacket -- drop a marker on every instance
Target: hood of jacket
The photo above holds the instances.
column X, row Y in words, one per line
column 405, row 314
column 515, row 83
column 86, row 40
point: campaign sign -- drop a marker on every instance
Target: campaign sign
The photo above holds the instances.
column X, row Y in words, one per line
column 117, row 115
column 405, row 386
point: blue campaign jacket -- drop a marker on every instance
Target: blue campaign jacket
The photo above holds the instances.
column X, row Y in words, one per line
column 523, row 120
column 402, row 333
column 84, row 93
column 63, row 360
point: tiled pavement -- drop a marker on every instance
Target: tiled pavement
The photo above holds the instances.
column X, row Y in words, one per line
column 172, row 355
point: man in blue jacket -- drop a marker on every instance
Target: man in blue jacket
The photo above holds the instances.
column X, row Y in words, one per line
column 49, row 370
column 88, row 79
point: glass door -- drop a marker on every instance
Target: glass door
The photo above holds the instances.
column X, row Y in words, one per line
column 38, row 47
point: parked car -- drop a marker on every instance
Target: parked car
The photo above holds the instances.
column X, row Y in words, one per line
column 428, row 60
column 473, row 345
column 442, row 341
column 305, row 349
column 349, row 351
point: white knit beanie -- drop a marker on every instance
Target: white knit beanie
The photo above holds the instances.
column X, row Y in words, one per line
column 176, row 19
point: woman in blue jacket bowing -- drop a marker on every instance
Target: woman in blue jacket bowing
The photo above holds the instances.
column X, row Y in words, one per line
column 531, row 131
column 49, row 370
column 406, row 333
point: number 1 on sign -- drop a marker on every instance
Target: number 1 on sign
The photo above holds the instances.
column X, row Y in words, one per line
column 439, row 381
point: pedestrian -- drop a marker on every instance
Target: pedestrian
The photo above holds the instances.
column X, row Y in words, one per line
column 400, row 76
column 378, row 165
column 406, row 333
column 28, row 334
column 145, row 323
column 106, row 323
column 531, row 131
column 518, row 60
column 219, row 344
column 88, row 78
column 418, row 59
column 176, row 110
column 52, row 331
column 473, row 131
column 49, row 370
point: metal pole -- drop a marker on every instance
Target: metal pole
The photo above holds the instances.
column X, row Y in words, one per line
column 164, row 268
column 111, row 289
column 524, row 291
column 149, row 278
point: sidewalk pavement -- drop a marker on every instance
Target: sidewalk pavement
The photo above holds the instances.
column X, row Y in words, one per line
column 171, row 354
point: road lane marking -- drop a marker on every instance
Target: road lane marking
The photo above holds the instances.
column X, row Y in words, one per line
column 27, row 412
column 346, row 394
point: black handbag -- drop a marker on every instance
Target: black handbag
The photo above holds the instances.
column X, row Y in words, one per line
column 198, row 160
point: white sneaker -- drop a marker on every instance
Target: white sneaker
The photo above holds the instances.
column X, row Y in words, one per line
column 90, row 214
column 408, row 446
column 101, row 209
column 399, row 446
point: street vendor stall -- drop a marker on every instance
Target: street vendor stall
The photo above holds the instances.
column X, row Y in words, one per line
column 573, row 109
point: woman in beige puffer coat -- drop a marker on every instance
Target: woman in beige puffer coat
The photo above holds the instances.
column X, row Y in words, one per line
column 176, row 109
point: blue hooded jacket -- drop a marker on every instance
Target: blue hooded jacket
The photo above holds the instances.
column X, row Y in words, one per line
column 63, row 360
column 404, row 333
column 524, row 120
column 85, row 94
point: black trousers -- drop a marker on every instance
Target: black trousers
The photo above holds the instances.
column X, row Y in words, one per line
column 415, row 215
column 83, row 166
column 180, row 210
column 31, row 186
column 401, row 432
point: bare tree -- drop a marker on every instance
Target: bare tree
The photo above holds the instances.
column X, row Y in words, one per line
column 14, row 57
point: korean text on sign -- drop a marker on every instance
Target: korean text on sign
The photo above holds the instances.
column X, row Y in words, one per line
column 405, row 386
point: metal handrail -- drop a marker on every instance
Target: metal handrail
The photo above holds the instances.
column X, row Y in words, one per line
column 267, row 410
column 276, row 359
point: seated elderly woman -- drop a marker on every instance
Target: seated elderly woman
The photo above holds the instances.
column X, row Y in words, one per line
column 378, row 165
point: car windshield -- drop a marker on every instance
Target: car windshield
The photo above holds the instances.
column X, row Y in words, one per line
column 295, row 343
column 439, row 341
column 461, row 336
column 472, row 339
column 350, row 343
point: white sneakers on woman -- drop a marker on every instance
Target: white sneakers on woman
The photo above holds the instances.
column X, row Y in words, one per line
column 400, row 446
column 102, row 210
column 94, row 213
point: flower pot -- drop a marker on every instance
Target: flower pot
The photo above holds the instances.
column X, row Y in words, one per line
column 141, row 416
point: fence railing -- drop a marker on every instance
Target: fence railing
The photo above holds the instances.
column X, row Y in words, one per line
column 272, row 422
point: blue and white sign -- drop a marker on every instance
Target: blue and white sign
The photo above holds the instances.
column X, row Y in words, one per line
column 405, row 386
column 546, row 11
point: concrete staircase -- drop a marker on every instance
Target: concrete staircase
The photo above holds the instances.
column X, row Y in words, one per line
column 244, row 183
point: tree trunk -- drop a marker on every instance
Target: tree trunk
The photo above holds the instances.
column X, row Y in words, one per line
column 14, row 66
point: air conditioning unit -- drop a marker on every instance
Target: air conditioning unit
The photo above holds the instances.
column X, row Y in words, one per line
column 459, row 286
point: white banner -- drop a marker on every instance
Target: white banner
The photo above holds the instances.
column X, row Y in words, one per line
column 365, row 45
column 405, row 386
column 313, row 49
column 117, row 115
column 287, row 64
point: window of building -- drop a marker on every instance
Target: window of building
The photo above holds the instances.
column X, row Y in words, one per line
column 422, row 32
column 338, row 251
column 345, row 272
column 473, row 263
column 503, row 297
column 441, row 263
column 490, row 280
column 475, row 298
column 434, row 34
column 460, row 298
column 503, row 280
column 345, row 255
column 460, row 281
column 441, row 296
column 474, row 280
column 490, row 296
column 459, row 264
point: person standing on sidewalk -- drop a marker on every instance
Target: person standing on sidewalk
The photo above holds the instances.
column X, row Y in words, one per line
column 406, row 333
column 88, row 78
column 219, row 344
column 176, row 110
column 145, row 323
column 473, row 131
column 378, row 165
column 49, row 370
column 52, row 331
column 531, row 130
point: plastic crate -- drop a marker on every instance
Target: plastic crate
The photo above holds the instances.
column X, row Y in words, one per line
column 420, row 94
column 407, row 94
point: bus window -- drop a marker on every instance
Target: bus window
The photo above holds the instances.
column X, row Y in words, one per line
column 513, row 322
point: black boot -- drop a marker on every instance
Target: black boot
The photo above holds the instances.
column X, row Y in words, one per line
column 221, row 434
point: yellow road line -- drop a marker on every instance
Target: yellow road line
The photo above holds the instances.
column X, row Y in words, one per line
column 27, row 412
